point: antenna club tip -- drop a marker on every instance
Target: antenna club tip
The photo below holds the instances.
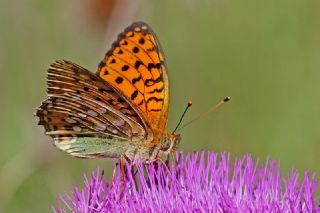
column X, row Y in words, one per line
column 189, row 103
column 226, row 99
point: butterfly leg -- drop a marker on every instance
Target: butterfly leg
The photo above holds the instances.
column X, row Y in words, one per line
column 174, row 160
column 168, row 159
column 165, row 165
column 123, row 175
column 114, row 172
column 102, row 174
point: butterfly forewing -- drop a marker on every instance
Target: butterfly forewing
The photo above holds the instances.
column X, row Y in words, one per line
column 136, row 66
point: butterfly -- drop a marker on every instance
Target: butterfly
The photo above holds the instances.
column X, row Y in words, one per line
column 119, row 112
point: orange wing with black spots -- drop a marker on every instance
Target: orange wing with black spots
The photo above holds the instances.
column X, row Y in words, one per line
column 136, row 66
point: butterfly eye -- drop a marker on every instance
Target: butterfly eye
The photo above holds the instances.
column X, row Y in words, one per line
column 165, row 144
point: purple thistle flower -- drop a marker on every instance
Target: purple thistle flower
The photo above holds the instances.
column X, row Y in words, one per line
column 198, row 183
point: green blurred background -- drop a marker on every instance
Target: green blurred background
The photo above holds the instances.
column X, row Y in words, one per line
column 264, row 54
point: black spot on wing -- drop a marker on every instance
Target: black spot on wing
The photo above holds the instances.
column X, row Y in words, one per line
column 101, row 90
column 134, row 94
column 156, row 90
column 137, row 64
column 136, row 79
column 124, row 42
column 125, row 68
column 119, row 80
column 154, row 99
column 154, row 65
column 135, row 49
column 154, row 110
column 141, row 41
column 150, row 82
column 140, row 103
column 120, row 100
column 150, row 66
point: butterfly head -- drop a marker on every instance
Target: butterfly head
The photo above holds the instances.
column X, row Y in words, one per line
column 169, row 143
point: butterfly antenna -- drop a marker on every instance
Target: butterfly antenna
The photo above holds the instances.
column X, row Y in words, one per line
column 182, row 116
column 214, row 107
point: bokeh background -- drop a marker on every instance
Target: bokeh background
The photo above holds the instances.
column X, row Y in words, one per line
column 264, row 54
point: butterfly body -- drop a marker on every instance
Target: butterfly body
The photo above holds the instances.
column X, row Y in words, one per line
column 121, row 111
column 133, row 150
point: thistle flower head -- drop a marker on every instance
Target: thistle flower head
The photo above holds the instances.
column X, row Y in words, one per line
column 199, row 182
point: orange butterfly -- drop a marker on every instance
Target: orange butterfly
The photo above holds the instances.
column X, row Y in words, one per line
column 121, row 112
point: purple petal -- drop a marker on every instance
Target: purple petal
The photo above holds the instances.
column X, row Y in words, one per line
column 199, row 182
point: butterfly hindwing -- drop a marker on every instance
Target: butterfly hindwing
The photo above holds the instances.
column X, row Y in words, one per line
column 81, row 108
column 136, row 65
